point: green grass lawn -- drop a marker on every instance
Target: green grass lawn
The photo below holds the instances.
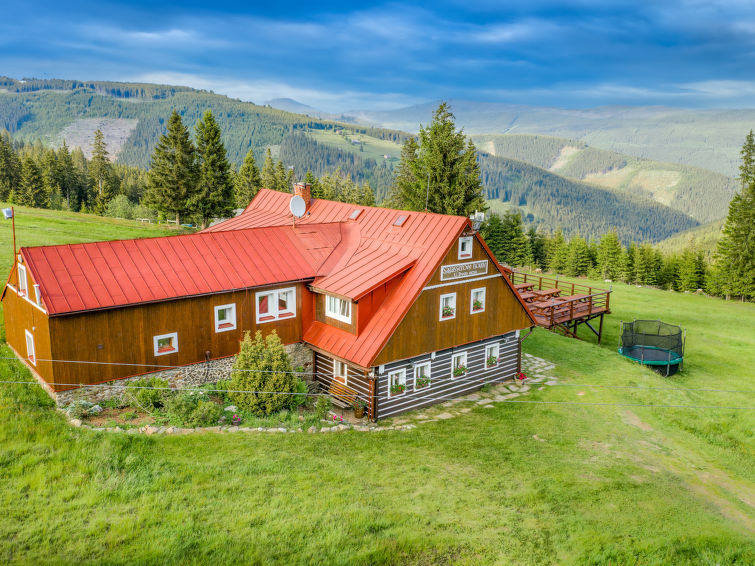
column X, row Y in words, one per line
column 603, row 483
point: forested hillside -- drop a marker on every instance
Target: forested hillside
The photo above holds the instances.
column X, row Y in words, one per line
column 132, row 117
column 552, row 201
column 700, row 193
column 41, row 109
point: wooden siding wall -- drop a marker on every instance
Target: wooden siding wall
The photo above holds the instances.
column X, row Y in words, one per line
column 443, row 385
column 371, row 302
column 125, row 335
column 320, row 315
column 421, row 331
column 20, row 315
column 356, row 379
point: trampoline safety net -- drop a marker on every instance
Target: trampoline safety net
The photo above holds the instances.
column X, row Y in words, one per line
column 653, row 333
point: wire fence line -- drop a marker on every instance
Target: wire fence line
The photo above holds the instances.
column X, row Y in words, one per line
column 324, row 374
column 413, row 398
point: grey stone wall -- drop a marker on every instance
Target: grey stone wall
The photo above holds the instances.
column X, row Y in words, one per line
column 186, row 376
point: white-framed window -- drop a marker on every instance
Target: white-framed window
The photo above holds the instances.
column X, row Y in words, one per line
column 338, row 308
column 166, row 344
column 30, row 353
column 477, row 301
column 276, row 304
column 37, row 294
column 448, row 306
column 225, row 317
column 397, row 382
column 23, row 286
column 491, row 355
column 340, row 372
column 422, row 375
column 459, row 365
column 465, row 247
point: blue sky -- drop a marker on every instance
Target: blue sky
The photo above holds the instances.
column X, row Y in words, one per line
column 350, row 55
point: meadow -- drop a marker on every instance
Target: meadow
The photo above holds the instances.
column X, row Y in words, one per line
column 587, row 472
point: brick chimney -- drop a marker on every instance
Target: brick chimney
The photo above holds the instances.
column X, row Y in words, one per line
column 304, row 190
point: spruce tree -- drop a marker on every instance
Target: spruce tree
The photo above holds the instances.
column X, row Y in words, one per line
column 30, row 191
column 247, row 182
column 538, row 248
column 214, row 195
column 734, row 272
column 101, row 173
column 173, row 173
column 610, row 256
column 558, row 253
column 493, row 234
column 578, row 259
column 10, row 167
column 444, row 161
column 269, row 180
column 51, row 178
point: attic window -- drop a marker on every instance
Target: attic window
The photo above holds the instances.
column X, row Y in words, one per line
column 400, row 221
column 465, row 247
column 23, row 289
column 354, row 215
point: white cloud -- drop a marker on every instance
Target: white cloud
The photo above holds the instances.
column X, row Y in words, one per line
column 722, row 88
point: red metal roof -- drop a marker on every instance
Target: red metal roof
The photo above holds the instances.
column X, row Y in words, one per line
column 371, row 249
column 98, row 275
column 341, row 253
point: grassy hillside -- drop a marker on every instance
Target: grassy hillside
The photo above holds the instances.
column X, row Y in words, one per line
column 554, row 201
column 702, row 194
column 704, row 238
column 581, row 473
column 710, row 139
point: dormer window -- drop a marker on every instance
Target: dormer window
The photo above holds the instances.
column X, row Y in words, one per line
column 23, row 288
column 465, row 247
column 338, row 308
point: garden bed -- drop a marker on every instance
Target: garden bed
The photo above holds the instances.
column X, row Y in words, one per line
column 149, row 402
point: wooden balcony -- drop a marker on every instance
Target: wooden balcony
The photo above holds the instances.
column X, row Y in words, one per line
column 562, row 305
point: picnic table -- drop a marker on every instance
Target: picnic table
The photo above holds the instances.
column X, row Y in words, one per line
column 527, row 297
column 546, row 293
column 524, row 286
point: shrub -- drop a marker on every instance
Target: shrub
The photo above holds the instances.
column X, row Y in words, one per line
column 322, row 407
column 263, row 368
column 180, row 407
column 79, row 408
column 137, row 393
column 207, row 413
column 301, row 394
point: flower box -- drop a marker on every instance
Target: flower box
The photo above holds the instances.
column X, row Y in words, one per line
column 459, row 371
column 398, row 389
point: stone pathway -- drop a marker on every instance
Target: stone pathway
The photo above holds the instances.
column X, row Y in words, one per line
column 537, row 370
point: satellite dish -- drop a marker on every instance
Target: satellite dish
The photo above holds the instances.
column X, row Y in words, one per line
column 297, row 206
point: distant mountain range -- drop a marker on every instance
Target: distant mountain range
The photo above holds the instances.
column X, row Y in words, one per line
column 710, row 139
column 565, row 181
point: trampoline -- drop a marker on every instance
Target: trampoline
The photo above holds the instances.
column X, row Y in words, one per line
column 655, row 344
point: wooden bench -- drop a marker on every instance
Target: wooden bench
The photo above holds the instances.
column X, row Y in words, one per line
column 341, row 395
